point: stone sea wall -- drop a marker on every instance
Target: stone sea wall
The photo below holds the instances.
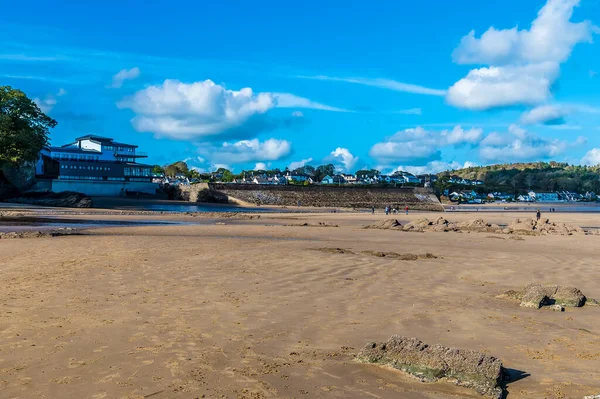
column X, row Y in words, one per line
column 318, row 196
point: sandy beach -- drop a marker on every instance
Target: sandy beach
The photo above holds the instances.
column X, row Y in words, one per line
column 250, row 308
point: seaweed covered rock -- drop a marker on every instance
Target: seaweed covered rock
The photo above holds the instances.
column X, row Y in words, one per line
column 537, row 295
column 478, row 225
column 542, row 227
column 389, row 224
column 430, row 363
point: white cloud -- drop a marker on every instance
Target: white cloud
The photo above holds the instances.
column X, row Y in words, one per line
column 217, row 166
column 555, row 114
column 410, row 111
column 417, row 146
column 299, row 164
column 434, row 167
column 545, row 114
column 459, row 136
column 384, row 84
column 262, row 166
column 411, row 146
column 519, row 145
column 123, row 75
column 247, row 151
column 343, row 159
column 502, row 86
column 592, row 157
column 47, row 104
column 194, row 160
column 286, row 100
column 523, row 63
column 551, row 37
column 187, row 111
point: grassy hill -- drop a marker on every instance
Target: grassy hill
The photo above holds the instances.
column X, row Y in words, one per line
column 541, row 176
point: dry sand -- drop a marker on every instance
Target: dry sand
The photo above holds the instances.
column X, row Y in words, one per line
column 250, row 310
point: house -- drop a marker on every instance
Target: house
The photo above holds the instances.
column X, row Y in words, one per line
column 350, row 179
column 468, row 194
column 392, row 179
column 277, row 179
column 296, row 177
column 543, row 197
column 408, row 178
column 94, row 165
column 336, row 179
column 260, row 180
column 525, row 198
column 327, row 180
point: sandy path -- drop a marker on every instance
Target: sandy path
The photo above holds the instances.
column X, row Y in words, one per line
column 246, row 310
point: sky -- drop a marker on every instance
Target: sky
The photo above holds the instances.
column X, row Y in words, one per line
column 392, row 85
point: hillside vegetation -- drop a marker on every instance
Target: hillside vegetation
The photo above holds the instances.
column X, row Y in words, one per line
column 541, row 176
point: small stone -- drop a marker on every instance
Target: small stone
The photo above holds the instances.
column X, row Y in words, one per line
column 556, row 308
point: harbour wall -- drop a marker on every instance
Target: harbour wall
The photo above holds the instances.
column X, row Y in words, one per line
column 360, row 197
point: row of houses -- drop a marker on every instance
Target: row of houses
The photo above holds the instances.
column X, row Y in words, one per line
column 298, row 178
column 454, row 179
column 471, row 196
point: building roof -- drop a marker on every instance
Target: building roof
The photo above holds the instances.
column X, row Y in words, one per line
column 103, row 140
column 94, row 137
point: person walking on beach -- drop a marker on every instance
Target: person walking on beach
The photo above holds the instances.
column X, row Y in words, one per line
column 538, row 214
column 387, row 210
column 406, row 209
column 372, row 210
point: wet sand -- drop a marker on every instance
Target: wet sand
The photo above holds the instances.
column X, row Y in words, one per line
column 249, row 309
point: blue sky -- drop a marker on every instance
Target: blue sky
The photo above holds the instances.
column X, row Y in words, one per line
column 417, row 86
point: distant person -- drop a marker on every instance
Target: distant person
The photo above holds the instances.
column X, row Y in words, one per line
column 387, row 210
column 538, row 214
column 372, row 210
column 406, row 209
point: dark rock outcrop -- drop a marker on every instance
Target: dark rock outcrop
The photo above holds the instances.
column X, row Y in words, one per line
column 40, row 234
column 430, row 363
column 65, row 199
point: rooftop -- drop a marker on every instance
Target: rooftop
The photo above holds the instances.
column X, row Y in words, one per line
column 103, row 140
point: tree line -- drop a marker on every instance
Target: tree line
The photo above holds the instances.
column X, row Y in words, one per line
column 537, row 176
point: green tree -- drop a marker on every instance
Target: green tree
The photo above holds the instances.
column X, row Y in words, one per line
column 227, row 176
column 24, row 128
column 323, row 171
column 158, row 170
column 176, row 168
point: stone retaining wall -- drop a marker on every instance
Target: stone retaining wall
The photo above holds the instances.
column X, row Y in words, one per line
column 330, row 196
